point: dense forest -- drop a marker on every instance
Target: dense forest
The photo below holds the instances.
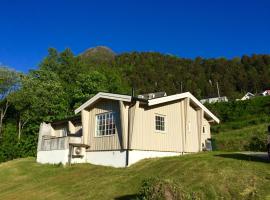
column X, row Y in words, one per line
column 63, row 81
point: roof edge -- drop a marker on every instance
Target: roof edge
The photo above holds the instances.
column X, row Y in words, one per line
column 152, row 102
column 104, row 95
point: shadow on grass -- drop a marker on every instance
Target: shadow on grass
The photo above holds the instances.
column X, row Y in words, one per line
column 127, row 197
column 241, row 156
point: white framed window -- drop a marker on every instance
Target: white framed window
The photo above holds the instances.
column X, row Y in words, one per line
column 160, row 123
column 105, row 124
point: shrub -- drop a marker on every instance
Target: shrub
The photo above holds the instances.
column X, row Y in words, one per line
column 257, row 143
column 159, row 189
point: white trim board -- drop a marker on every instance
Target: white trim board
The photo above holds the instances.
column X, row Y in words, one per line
column 103, row 95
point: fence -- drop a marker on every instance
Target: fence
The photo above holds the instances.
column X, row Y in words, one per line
column 54, row 143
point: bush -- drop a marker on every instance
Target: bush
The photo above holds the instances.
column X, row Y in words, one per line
column 257, row 143
column 11, row 147
column 159, row 189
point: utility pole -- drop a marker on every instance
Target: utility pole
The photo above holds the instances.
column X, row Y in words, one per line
column 218, row 90
column 181, row 87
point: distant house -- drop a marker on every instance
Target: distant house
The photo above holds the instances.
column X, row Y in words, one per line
column 119, row 130
column 247, row 96
column 214, row 100
column 266, row 93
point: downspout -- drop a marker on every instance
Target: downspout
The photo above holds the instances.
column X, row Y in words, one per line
column 128, row 134
column 129, row 126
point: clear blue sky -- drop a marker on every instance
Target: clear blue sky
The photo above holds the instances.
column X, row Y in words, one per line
column 217, row 28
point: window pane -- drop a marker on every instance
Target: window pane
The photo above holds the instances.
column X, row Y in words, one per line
column 160, row 123
column 105, row 124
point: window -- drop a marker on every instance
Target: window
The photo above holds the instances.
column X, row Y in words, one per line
column 204, row 129
column 105, row 124
column 160, row 122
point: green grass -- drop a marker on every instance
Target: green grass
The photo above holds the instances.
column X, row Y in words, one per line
column 215, row 175
column 239, row 139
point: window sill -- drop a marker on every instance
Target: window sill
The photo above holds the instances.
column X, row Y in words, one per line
column 104, row 136
column 163, row 132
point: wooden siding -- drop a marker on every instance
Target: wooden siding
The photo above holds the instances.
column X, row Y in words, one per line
column 207, row 133
column 145, row 137
column 112, row 142
column 192, row 139
column 183, row 127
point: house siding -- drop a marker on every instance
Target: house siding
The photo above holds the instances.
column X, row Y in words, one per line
column 183, row 127
column 207, row 133
column 145, row 137
column 112, row 142
column 192, row 133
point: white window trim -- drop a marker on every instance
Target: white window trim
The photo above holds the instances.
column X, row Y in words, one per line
column 165, row 123
column 100, row 136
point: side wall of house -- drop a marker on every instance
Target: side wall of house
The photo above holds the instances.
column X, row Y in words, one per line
column 112, row 142
column 207, row 132
column 144, row 135
column 193, row 131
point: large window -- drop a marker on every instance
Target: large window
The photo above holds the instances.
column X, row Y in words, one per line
column 160, row 123
column 105, row 124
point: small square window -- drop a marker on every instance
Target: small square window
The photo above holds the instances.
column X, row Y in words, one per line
column 160, row 123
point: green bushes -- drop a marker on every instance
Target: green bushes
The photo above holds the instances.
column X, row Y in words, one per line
column 257, row 143
column 243, row 125
column 238, row 111
column 11, row 147
column 160, row 189
column 252, row 138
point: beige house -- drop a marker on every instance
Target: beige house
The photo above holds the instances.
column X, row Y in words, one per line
column 119, row 130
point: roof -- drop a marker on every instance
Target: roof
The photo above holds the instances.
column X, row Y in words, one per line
column 182, row 96
column 150, row 102
column 103, row 95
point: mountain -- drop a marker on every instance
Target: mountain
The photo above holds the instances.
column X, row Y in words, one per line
column 98, row 54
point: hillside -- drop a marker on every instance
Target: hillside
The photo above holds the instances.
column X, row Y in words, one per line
column 63, row 81
column 243, row 124
column 205, row 175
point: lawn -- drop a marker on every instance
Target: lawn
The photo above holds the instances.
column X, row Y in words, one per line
column 214, row 175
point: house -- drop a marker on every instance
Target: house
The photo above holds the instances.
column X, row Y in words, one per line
column 266, row 93
column 247, row 96
column 214, row 100
column 119, row 130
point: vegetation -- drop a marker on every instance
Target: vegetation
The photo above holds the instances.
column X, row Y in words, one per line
column 251, row 138
column 243, row 124
column 204, row 176
column 63, row 81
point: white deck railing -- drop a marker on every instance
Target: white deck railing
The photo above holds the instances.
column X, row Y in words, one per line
column 54, row 143
column 58, row 143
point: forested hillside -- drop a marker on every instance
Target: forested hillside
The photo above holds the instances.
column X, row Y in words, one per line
column 63, row 81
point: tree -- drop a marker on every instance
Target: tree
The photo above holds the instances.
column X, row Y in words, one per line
column 41, row 98
column 9, row 80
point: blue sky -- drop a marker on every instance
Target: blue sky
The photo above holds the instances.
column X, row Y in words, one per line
column 209, row 28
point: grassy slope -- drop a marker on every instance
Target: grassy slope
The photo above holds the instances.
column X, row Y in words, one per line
column 239, row 139
column 241, row 121
column 212, row 175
